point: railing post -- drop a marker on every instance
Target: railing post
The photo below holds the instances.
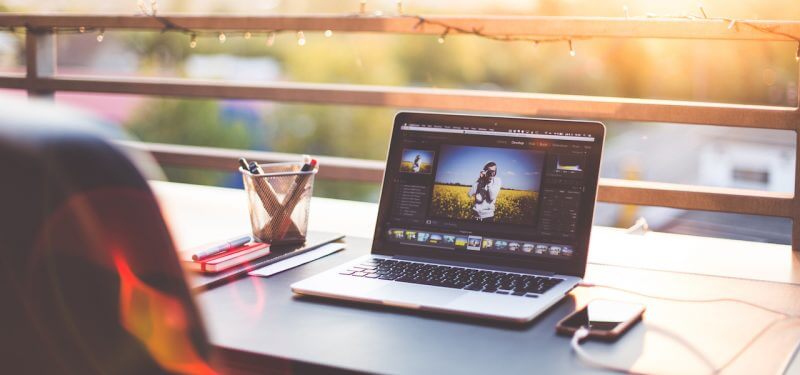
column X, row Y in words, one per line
column 796, row 210
column 40, row 60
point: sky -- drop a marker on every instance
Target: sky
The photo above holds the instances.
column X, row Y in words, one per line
column 518, row 169
column 411, row 154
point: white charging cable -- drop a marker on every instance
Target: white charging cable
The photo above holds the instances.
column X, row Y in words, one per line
column 583, row 332
column 639, row 225
column 788, row 362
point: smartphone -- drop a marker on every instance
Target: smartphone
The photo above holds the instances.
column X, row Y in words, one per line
column 606, row 320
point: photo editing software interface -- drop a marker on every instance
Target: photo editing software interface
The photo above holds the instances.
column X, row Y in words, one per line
column 494, row 191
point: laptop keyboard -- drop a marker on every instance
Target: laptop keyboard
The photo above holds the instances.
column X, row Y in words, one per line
column 454, row 277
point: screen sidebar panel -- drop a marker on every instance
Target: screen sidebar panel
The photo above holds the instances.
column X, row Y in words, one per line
column 509, row 192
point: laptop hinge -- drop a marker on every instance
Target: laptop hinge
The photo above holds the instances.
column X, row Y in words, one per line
column 474, row 265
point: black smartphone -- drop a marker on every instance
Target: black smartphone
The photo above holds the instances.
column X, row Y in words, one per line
column 605, row 319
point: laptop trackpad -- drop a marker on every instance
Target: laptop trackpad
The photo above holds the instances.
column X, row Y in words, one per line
column 416, row 294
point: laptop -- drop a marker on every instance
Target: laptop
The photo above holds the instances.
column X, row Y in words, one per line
column 480, row 216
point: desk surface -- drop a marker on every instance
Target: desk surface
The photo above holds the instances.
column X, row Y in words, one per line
column 261, row 316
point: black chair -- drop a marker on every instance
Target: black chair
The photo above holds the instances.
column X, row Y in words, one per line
column 89, row 278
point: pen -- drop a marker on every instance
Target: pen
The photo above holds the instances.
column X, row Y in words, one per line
column 309, row 165
column 292, row 198
column 243, row 163
column 255, row 168
column 221, row 248
column 265, row 192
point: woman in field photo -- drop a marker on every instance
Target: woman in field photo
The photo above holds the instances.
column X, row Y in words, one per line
column 484, row 193
column 415, row 167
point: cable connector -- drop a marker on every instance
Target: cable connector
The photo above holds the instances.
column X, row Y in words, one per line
column 581, row 334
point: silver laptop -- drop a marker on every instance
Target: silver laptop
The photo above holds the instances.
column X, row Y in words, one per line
column 480, row 216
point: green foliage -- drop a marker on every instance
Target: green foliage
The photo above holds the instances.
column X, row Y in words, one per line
column 356, row 132
column 662, row 69
column 187, row 122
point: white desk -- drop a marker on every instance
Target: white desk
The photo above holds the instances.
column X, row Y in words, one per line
column 195, row 206
column 656, row 263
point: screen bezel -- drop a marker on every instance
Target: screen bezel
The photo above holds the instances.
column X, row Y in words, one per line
column 576, row 266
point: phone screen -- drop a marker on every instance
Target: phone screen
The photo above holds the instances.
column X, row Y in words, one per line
column 604, row 315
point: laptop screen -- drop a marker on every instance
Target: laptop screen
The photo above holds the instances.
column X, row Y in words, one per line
column 511, row 191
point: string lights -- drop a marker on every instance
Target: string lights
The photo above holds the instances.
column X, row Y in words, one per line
column 732, row 24
column 702, row 11
column 444, row 35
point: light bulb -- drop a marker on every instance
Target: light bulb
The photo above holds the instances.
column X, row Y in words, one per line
column 247, row 35
column 301, row 39
column 101, row 35
column 222, row 37
column 328, row 33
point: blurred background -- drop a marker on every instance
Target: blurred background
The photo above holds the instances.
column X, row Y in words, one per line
column 715, row 71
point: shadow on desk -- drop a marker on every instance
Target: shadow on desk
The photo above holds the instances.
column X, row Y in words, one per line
column 234, row 362
column 568, row 303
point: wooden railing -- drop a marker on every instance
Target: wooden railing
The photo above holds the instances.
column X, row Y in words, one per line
column 41, row 79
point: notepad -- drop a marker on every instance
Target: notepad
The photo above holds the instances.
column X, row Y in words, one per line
column 238, row 256
column 297, row 260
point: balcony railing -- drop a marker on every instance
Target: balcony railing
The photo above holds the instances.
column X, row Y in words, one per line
column 41, row 79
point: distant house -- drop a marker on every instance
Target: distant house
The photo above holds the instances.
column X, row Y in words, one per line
column 702, row 155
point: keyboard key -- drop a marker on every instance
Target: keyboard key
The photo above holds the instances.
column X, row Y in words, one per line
column 454, row 277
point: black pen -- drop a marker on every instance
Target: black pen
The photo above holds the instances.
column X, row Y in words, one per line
column 243, row 163
column 221, row 248
column 255, row 168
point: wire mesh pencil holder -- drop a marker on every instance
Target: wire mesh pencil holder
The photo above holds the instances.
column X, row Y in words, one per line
column 279, row 201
